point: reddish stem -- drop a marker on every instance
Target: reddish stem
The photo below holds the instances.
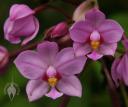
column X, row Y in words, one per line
column 63, row 42
column 61, row 11
column 41, row 8
column 31, row 46
column 47, row 6
column 73, row 2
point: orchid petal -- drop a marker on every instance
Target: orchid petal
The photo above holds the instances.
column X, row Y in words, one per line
column 95, row 55
column 30, row 65
column 70, row 86
column 48, row 51
column 54, row 94
column 73, row 66
column 36, row 89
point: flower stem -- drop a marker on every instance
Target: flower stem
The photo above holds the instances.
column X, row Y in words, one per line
column 60, row 10
column 48, row 6
column 31, row 46
column 65, row 101
column 72, row 2
column 111, row 88
column 41, row 8
column 124, row 94
column 63, row 42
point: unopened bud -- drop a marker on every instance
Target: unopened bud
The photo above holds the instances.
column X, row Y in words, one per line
column 58, row 30
column 83, row 8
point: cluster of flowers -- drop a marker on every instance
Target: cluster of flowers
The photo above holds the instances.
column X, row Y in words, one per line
column 52, row 72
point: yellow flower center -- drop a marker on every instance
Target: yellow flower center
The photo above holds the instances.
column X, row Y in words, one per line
column 52, row 81
column 95, row 44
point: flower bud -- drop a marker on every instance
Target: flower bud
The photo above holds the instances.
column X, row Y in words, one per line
column 58, row 30
column 20, row 23
column 82, row 9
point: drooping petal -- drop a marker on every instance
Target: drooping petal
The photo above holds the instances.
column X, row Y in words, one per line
column 36, row 89
column 33, row 35
column 73, row 66
column 18, row 11
column 81, row 49
column 54, row 94
column 70, row 86
column 110, row 31
column 114, row 73
column 80, row 31
column 122, row 68
column 63, row 56
column 48, row 51
column 30, row 64
column 95, row 17
column 95, row 55
column 108, row 49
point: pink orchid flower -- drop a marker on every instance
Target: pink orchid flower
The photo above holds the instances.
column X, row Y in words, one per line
column 95, row 36
column 51, row 73
column 21, row 23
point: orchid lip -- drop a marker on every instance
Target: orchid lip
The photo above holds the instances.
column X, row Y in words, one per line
column 52, row 80
column 95, row 44
column 95, row 39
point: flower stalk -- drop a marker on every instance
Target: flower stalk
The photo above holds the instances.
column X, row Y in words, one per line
column 48, row 6
column 41, row 8
column 124, row 94
column 65, row 101
column 111, row 87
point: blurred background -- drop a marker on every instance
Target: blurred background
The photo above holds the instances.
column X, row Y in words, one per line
column 95, row 90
